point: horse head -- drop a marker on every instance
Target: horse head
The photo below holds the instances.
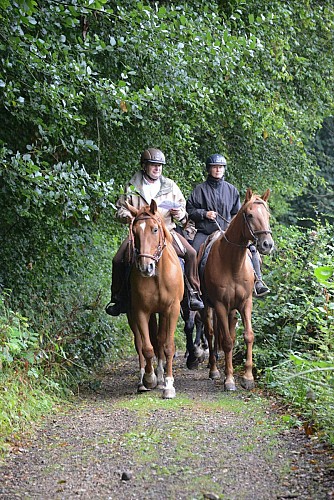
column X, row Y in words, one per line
column 256, row 216
column 149, row 235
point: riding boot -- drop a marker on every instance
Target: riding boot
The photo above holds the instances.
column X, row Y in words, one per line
column 191, row 279
column 195, row 301
column 194, row 298
column 260, row 288
column 118, row 301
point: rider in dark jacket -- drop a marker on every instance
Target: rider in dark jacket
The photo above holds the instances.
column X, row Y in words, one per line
column 212, row 205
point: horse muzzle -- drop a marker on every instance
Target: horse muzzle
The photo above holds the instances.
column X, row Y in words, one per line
column 265, row 244
column 145, row 267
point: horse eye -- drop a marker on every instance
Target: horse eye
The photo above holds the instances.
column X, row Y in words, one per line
column 249, row 216
column 155, row 230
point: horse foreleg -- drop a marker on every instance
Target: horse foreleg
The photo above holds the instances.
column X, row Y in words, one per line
column 247, row 380
column 139, row 326
column 227, row 337
column 189, row 323
column 198, row 348
column 167, row 326
column 209, row 333
column 193, row 350
column 142, row 362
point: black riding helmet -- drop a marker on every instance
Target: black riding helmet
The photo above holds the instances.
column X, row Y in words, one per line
column 153, row 156
column 215, row 159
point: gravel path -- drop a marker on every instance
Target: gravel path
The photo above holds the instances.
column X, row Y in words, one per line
column 115, row 444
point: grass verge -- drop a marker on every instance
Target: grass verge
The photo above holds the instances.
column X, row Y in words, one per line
column 24, row 401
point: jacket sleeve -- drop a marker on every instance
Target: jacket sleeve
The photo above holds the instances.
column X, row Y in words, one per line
column 195, row 212
column 123, row 215
column 179, row 198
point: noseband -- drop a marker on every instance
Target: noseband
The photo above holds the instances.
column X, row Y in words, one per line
column 162, row 241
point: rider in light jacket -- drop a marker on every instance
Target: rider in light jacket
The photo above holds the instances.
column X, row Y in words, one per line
column 144, row 186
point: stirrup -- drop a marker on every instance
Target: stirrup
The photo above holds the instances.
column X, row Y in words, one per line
column 262, row 289
column 195, row 301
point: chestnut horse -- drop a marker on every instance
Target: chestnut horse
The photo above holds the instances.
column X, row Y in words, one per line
column 156, row 286
column 228, row 282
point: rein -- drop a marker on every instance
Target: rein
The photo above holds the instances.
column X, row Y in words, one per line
column 162, row 241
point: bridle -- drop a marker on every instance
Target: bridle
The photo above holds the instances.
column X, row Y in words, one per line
column 254, row 234
column 162, row 240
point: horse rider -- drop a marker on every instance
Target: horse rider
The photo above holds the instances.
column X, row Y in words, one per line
column 212, row 205
column 144, row 186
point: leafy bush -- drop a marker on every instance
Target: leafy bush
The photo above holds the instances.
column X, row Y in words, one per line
column 294, row 343
column 23, row 401
column 19, row 344
column 299, row 308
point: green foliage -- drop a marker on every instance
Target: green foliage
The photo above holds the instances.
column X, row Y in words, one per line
column 294, row 345
column 23, row 402
column 317, row 201
column 299, row 307
column 85, row 86
column 324, row 274
column 26, row 392
column 19, row 345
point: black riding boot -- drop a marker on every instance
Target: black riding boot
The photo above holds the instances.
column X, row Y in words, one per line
column 194, row 298
column 119, row 299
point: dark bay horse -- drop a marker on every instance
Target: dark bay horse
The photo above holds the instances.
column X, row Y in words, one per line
column 156, row 287
column 228, row 281
column 195, row 344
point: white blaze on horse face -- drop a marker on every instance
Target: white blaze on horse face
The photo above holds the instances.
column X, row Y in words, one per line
column 142, row 225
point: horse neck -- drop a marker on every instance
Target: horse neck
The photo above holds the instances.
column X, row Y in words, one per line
column 233, row 245
column 234, row 233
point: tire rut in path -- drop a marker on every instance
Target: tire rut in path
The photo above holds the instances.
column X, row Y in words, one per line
column 204, row 444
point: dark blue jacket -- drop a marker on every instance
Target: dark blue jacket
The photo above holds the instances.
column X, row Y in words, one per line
column 213, row 195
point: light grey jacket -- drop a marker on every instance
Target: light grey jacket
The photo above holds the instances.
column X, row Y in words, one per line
column 135, row 197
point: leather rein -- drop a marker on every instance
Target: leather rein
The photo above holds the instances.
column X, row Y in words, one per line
column 162, row 240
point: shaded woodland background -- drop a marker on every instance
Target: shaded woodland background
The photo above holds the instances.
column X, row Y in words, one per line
column 85, row 86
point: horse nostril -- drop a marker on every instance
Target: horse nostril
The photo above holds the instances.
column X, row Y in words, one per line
column 151, row 267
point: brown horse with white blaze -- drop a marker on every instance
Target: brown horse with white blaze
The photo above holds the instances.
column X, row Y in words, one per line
column 228, row 282
column 156, row 287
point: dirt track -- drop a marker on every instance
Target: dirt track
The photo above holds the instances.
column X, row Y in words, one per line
column 203, row 444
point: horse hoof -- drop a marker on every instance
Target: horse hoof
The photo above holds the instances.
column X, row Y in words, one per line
column 142, row 388
column 192, row 364
column 214, row 375
column 201, row 359
column 198, row 352
column 247, row 384
column 169, row 393
column 229, row 386
column 150, row 380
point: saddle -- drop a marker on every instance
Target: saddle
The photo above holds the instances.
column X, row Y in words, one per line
column 204, row 251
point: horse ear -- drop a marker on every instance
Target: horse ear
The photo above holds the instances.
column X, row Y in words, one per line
column 131, row 209
column 249, row 194
column 266, row 195
column 153, row 207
